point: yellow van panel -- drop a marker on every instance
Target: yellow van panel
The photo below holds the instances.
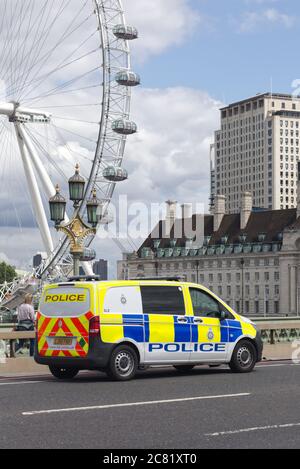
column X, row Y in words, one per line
column 248, row 330
column 111, row 328
column 111, row 334
column 161, row 328
column 209, row 324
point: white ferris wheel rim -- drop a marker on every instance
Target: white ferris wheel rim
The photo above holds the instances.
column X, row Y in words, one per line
column 115, row 101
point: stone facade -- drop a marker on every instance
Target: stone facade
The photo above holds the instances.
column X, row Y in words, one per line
column 251, row 259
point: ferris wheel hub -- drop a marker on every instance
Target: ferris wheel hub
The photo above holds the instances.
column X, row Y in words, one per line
column 17, row 113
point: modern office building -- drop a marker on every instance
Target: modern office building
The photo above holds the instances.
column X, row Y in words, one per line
column 250, row 259
column 100, row 268
column 257, row 150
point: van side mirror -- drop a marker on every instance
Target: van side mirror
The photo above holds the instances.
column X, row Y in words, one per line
column 223, row 315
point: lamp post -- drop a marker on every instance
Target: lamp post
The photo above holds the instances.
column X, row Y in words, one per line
column 76, row 229
column 243, row 284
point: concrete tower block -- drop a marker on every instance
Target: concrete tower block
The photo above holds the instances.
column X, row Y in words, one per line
column 298, row 192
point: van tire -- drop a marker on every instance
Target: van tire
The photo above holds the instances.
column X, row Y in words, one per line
column 123, row 363
column 244, row 357
column 184, row 368
column 63, row 373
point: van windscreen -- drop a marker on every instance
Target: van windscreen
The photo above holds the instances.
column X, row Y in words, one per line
column 65, row 302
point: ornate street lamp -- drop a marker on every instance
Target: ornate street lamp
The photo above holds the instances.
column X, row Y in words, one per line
column 57, row 207
column 76, row 187
column 92, row 206
column 76, row 229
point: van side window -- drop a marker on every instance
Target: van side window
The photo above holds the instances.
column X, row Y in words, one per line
column 203, row 304
column 163, row 300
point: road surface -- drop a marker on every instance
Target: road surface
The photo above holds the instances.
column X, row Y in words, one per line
column 160, row 409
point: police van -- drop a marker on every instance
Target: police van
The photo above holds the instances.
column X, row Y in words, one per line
column 122, row 326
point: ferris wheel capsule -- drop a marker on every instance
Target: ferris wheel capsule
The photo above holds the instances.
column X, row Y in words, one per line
column 124, row 127
column 128, row 78
column 128, row 33
column 114, row 174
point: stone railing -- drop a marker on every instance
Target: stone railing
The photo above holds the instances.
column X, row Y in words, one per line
column 276, row 331
column 11, row 337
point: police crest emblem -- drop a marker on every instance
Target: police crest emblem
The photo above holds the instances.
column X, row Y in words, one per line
column 123, row 300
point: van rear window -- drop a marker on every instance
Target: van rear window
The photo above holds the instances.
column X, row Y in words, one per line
column 65, row 302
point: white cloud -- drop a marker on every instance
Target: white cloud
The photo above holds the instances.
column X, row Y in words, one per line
column 161, row 23
column 169, row 157
column 250, row 21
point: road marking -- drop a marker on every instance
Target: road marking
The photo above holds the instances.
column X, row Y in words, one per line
column 277, row 365
column 255, row 429
column 21, row 382
column 134, row 404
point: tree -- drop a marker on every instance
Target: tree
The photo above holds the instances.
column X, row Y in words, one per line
column 7, row 273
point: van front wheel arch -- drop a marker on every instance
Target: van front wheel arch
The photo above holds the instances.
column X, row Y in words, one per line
column 244, row 357
column 123, row 363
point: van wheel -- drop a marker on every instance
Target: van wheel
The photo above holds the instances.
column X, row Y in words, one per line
column 244, row 357
column 184, row 368
column 63, row 373
column 123, row 363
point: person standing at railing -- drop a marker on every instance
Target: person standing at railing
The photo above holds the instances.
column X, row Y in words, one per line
column 26, row 319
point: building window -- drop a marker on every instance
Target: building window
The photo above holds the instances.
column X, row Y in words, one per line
column 267, row 309
column 267, row 276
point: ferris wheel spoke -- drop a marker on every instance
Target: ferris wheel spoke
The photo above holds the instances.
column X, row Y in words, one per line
column 43, row 60
column 33, row 40
column 52, row 91
column 37, row 39
column 35, row 195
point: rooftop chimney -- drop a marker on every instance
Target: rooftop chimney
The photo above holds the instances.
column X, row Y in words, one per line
column 186, row 211
column 219, row 211
column 170, row 216
column 246, row 209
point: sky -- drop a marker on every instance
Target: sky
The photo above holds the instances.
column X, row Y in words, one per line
column 193, row 56
column 229, row 49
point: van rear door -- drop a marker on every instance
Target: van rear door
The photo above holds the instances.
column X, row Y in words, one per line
column 63, row 321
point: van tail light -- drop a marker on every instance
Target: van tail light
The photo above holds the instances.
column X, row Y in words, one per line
column 95, row 326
